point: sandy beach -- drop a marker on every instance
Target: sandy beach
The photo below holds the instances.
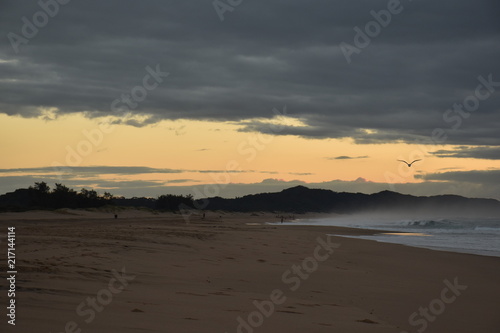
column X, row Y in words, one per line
column 80, row 271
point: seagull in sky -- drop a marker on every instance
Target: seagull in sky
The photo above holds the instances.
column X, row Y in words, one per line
column 409, row 164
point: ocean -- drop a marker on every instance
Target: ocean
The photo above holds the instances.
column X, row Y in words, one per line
column 466, row 235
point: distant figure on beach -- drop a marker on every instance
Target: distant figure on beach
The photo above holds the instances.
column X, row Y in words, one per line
column 203, row 216
column 409, row 164
column 116, row 216
column 282, row 219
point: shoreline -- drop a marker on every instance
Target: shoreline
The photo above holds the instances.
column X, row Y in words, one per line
column 393, row 235
column 214, row 275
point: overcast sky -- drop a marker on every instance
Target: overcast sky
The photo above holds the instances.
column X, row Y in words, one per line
column 238, row 63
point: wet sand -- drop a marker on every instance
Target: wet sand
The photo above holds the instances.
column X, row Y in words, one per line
column 87, row 272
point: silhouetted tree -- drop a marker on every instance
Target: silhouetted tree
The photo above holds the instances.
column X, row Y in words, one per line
column 39, row 194
column 173, row 202
column 42, row 187
column 64, row 197
column 89, row 198
column 108, row 196
column 89, row 194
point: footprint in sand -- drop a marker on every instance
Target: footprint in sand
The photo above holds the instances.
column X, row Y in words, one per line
column 288, row 311
column 367, row 321
column 190, row 294
column 220, row 293
column 309, row 305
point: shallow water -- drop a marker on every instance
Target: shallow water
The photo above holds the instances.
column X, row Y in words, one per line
column 466, row 235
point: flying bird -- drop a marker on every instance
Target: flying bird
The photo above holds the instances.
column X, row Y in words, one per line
column 409, row 164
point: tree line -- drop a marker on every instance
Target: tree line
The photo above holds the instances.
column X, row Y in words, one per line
column 41, row 196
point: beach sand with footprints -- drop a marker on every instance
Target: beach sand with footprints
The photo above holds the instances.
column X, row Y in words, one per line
column 230, row 272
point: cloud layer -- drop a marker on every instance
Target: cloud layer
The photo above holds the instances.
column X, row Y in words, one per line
column 264, row 55
column 488, row 153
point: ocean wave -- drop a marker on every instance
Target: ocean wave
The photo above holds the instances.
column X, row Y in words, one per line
column 435, row 224
column 479, row 228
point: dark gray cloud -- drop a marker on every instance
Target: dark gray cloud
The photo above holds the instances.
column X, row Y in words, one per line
column 344, row 157
column 180, row 181
column 93, row 171
column 474, row 176
column 263, row 55
column 487, row 153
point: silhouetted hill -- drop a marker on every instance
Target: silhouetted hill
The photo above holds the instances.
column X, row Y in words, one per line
column 301, row 199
